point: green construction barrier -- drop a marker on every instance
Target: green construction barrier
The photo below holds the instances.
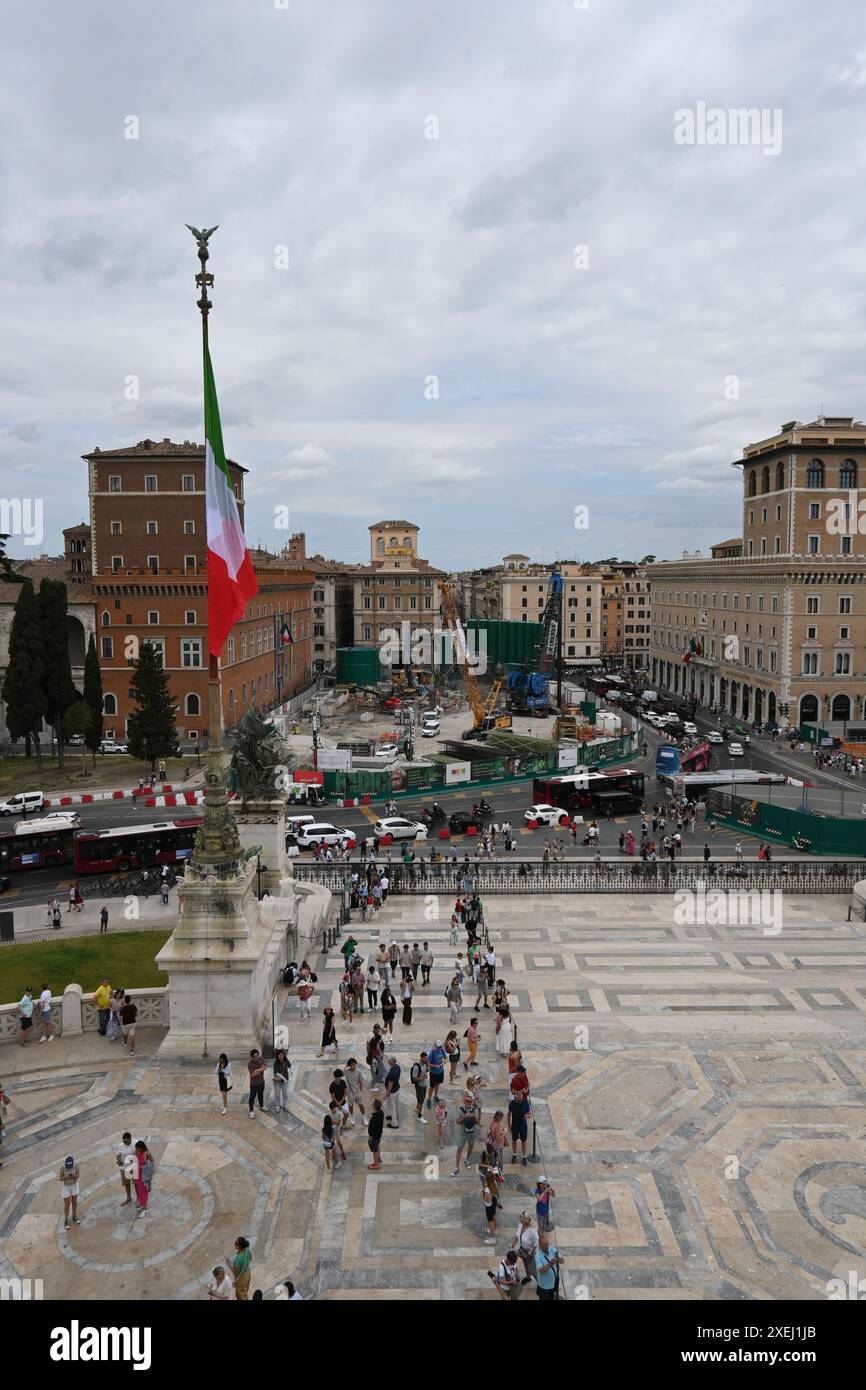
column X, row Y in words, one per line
column 839, row 835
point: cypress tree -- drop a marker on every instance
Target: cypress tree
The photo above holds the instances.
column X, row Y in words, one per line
column 23, row 684
column 93, row 697
column 57, row 687
column 151, row 730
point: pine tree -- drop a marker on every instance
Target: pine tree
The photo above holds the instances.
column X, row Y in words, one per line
column 7, row 573
column 151, row 729
column 57, row 687
column 93, row 697
column 22, row 686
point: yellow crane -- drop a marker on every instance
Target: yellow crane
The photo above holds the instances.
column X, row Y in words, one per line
column 482, row 707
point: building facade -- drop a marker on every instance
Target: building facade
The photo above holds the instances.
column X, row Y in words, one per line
column 773, row 626
column 396, row 587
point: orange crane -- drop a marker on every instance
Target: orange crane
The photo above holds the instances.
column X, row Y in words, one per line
column 482, row 707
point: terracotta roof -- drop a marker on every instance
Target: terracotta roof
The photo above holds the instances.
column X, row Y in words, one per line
column 403, row 525
column 150, row 448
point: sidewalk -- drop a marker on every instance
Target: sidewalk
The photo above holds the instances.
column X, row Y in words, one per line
column 31, row 923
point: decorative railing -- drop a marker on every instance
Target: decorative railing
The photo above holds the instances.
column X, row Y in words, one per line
column 75, row 1012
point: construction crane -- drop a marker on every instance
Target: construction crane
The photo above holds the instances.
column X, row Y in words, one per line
column 529, row 689
column 482, row 708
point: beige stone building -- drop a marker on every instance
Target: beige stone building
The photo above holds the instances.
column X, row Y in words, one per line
column 396, row 587
column 776, row 621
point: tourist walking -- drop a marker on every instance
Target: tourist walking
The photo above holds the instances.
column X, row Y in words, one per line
column 239, row 1264
column 126, row 1162
column 383, row 963
column 454, row 999
column 497, row 1138
column 419, row 1075
column 436, row 1063
column 25, row 1016
column 115, row 1006
column 223, row 1070
column 388, row 1005
column 467, row 1121
column 354, row 1089
column 45, row 1012
column 392, row 1093
column 473, row 1037
column 281, row 1080
column 256, row 1069
column 375, row 1049
column 490, row 1202
column 507, row 1277
column 331, row 1142
column 103, row 921
column 372, row 983
column 128, row 1015
column 426, row 963
column 452, row 1049
column 69, row 1184
column 505, row 1031
column 525, row 1244
column 329, row 1031
column 144, row 1176
column 407, row 989
column 375, row 1125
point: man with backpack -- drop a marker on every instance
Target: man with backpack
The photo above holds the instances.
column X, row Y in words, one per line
column 507, row 1277
column 418, row 1076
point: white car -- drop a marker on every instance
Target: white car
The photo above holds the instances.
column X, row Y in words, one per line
column 547, row 815
column 736, row 750
column 430, row 730
column 315, row 833
column 714, row 736
column 109, row 746
column 690, row 728
column 386, row 750
column 399, row 828
column 22, row 803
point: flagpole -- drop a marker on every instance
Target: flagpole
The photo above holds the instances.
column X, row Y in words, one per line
column 204, row 280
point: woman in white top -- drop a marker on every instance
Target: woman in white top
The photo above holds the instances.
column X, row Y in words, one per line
column 525, row 1243
column 505, row 1036
column 223, row 1070
column 220, row 1287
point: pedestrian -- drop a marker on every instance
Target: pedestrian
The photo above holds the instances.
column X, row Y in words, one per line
column 375, row 1049
column 347, row 997
column 114, row 1008
column 405, row 961
column 372, row 982
column 239, row 1267
column 354, row 1089
column 547, row 1263
column 71, row 903
column 69, row 1186
column 383, row 963
column 415, row 955
column 467, row 1120
column 393, row 958
column 473, row 1037
column 407, row 989
column 281, row 1080
column 454, row 934
column 126, row 1162
column 419, row 1075
column 706, row 854
column 329, row 1031
column 738, row 851
column 46, row 1011
column 163, row 892
column 392, row 1093
column 491, row 1202
column 25, row 1015
column 375, row 1125
column 517, row 1114
column 525, row 1244
column 306, row 990
column 454, row 998
column 220, row 1288
column 256, row 1069
column 505, row 1029
column 436, row 1063
column 144, row 1176
column 426, row 963
column 388, row 1005
column 452, row 1050
column 128, row 1015
column 223, row 1071
column 56, row 917
column 103, row 921
column 543, row 1194
column 507, row 1277
column 441, row 1118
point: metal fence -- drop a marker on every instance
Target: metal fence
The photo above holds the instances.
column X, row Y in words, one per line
column 611, row 876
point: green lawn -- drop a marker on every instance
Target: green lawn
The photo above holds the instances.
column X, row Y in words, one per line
column 126, row 959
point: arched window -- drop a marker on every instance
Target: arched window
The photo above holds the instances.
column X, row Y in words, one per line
column 765, row 478
column 192, row 705
column 243, row 646
column 848, row 473
column 407, row 542
column 230, row 651
column 380, row 546
column 753, row 484
column 393, row 541
column 106, row 618
column 231, row 699
column 815, row 473
column 780, row 476
column 244, row 693
column 109, row 704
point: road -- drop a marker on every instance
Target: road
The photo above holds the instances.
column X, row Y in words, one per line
column 508, row 800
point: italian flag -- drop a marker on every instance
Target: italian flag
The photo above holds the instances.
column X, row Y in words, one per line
column 231, row 582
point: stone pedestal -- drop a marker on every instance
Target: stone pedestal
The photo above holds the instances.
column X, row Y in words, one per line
column 263, row 823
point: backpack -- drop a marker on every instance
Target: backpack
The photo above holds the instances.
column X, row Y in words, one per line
column 415, row 1073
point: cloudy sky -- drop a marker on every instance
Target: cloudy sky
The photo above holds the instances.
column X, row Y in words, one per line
column 465, row 272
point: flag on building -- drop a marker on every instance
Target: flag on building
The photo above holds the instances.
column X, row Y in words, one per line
column 231, row 580
column 691, row 650
column 285, row 635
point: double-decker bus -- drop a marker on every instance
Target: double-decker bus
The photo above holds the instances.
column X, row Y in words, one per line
column 670, row 759
column 582, row 789
column 134, row 846
column 38, row 846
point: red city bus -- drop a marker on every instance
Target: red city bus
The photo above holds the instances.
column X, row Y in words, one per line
column 40, row 846
column 696, row 759
column 580, row 789
column 134, row 846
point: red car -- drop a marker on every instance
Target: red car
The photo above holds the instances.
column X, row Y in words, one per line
column 392, row 702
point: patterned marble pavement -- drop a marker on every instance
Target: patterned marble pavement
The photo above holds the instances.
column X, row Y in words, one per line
column 699, row 1093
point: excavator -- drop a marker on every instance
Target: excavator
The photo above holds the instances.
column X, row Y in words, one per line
column 483, row 707
column 528, row 691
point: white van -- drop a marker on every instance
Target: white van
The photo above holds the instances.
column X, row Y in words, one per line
column 22, row 803
column 295, row 824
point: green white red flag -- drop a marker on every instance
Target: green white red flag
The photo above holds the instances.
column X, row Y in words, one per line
column 231, row 581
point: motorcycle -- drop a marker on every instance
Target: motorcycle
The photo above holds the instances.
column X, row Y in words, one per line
column 432, row 815
column 484, row 808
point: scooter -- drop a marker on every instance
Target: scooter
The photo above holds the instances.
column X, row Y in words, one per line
column 433, row 815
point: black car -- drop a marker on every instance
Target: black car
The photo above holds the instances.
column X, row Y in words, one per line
column 460, row 821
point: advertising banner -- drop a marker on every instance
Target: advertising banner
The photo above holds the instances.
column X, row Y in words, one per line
column 457, row 772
